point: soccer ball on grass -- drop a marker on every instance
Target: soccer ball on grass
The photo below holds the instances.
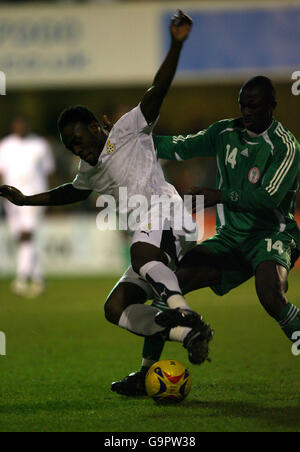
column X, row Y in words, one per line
column 168, row 381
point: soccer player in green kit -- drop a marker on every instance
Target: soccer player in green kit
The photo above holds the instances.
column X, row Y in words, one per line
column 257, row 235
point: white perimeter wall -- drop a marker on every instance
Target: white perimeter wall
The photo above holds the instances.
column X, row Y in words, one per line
column 69, row 245
column 92, row 44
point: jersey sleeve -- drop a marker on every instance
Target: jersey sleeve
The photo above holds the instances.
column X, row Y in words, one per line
column 278, row 181
column 180, row 147
column 133, row 123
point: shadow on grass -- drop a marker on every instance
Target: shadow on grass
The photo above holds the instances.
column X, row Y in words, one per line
column 283, row 417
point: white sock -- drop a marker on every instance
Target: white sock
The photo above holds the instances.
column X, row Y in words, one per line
column 178, row 301
column 37, row 273
column 179, row 333
column 139, row 319
column 164, row 282
column 25, row 260
column 148, row 362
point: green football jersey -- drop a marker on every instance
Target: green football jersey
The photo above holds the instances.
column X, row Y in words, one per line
column 257, row 174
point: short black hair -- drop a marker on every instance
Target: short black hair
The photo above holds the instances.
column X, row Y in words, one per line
column 260, row 81
column 77, row 113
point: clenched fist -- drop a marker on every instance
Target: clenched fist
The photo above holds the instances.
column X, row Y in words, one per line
column 180, row 27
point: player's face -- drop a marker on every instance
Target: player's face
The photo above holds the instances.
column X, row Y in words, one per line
column 256, row 111
column 84, row 141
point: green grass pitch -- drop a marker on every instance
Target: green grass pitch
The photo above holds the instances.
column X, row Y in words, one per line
column 62, row 356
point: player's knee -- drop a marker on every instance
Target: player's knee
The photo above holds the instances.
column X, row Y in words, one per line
column 26, row 237
column 112, row 310
column 141, row 253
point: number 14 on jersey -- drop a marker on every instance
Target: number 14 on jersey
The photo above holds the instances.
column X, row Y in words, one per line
column 278, row 246
column 231, row 156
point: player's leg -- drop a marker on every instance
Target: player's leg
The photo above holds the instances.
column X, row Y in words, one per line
column 205, row 265
column 271, row 284
column 24, row 222
column 128, row 292
column 149, row 261
column 199, row 268
column 272, row 256
column 24, row 257
column 125, row 308
column 37, row 286
column 15, row 224
column 133, row 289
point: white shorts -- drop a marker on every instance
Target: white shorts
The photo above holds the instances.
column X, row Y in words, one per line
column 23, row 219
column 175, row 244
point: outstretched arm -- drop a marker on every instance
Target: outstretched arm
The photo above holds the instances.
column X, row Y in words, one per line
column 65, row 194
column 180, row 28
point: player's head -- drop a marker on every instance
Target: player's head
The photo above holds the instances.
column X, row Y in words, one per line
column 257, row 99
column 81, row 133
column 19, row 126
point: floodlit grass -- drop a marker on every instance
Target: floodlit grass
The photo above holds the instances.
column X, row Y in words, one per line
column 62, row 356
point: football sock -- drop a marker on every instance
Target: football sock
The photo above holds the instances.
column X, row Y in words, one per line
column 177, row 334
column 289, row 320
column 153, row 346
column 152, row 349
column 25, row 260
column 37, row 274
column 139, row 319
column 164, row 283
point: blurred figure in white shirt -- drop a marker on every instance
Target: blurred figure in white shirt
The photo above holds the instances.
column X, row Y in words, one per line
column 26, row 160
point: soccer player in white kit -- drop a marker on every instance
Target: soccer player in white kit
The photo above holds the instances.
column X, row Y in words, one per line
column 26, row 161
column 126, row 158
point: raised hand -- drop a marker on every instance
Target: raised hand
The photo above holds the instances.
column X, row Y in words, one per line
column 180, row 27
column 13, row 195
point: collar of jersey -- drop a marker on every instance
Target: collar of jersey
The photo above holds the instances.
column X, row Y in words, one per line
column 257, row 135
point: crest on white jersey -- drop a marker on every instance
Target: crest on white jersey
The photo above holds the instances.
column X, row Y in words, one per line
column 110, row 147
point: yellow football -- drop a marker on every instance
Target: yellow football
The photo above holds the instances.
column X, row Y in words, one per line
column 168, row 380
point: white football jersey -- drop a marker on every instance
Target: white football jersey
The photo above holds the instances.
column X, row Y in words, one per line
column 25, row 163
column 128, row 160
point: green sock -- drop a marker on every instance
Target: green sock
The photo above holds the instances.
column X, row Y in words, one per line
column 289, row 320
column 152, row 349
column 153, row 345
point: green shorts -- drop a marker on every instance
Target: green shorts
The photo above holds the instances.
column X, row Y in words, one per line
column 239, row 254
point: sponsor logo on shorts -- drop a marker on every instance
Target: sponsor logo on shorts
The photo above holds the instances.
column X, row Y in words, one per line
column 254, row 175
column 147, row 233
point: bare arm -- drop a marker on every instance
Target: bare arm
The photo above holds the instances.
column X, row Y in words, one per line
column 180, row 28
column 65, row 194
